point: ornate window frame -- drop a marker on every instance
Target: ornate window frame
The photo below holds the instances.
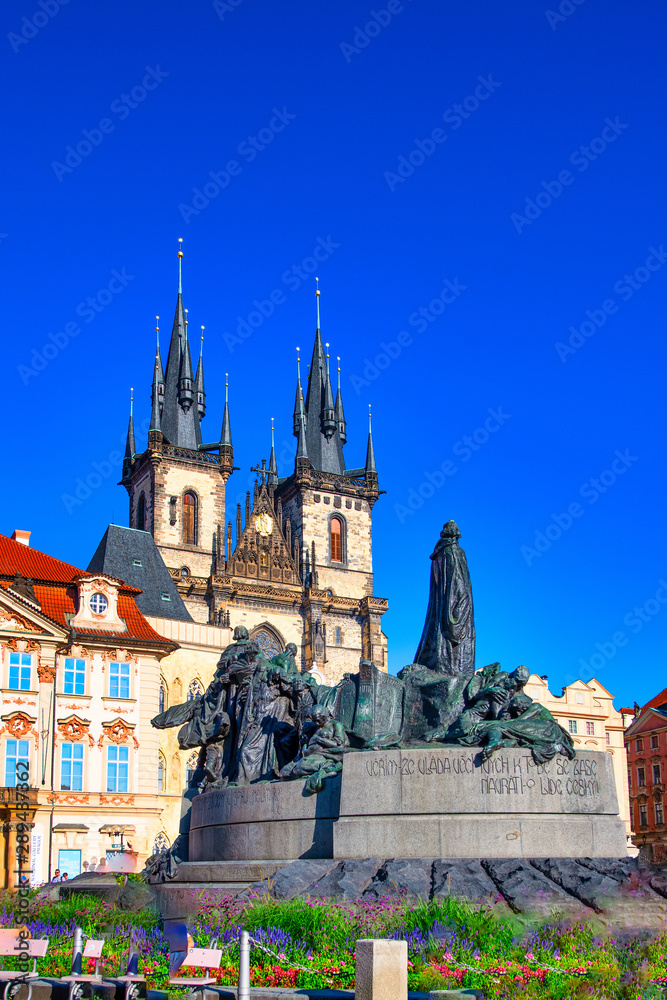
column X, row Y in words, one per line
column 337, row 516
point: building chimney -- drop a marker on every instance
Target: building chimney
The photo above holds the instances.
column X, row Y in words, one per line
column 23, row 537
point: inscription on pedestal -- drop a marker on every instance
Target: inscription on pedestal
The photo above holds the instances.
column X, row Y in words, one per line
column 501, row 775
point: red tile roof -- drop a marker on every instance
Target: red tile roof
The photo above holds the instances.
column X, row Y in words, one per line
column 57, row 592
column 656, row 702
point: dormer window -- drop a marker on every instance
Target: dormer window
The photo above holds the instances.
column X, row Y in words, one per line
column 98, row 604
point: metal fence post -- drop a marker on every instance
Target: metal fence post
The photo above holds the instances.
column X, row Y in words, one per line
column 77, row 951
column 244, row 967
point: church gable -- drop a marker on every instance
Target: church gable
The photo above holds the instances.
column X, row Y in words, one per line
column 262, row 552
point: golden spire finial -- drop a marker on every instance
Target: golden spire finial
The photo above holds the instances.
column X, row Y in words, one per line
column 298, row 363
column 369, row 418
column 201, row 345
column 317, row 297
column 186, row 320
column 226, row 387
column 131, row 400
column 157, row 331
column 180, row 260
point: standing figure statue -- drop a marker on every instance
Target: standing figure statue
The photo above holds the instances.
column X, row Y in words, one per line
column 447, row 644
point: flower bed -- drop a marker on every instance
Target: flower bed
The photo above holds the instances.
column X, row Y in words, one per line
column 310, row 943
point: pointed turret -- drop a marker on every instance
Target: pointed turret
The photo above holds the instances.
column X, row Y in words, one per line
column 371, row 470
column 130, row 448
column 180, row 419
column 159, row 373
column 199, row 380
column 273, row 465
column 328, row 412
column 156, row 421
column 340, row 415
column 186, row 380
column 302, row 462
column 226, row 450
column 296, row 416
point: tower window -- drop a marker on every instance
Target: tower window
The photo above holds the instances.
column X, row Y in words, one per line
column 336, row 539
column 141, row 513
column 190, row 518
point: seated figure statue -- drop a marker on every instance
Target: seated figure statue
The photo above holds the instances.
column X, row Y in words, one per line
column 323, row 743
column 487, row 695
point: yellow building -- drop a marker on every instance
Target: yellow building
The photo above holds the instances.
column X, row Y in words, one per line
column 80, row 669
column 587, row 712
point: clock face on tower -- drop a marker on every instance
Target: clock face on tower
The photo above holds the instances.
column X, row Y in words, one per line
column 264, row 524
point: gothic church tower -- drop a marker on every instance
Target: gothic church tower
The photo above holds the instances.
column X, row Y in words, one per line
column 298, row 566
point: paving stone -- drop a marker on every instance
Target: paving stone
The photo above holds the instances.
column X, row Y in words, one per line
column 528, row 891
column 463, row 878
column 348, row 879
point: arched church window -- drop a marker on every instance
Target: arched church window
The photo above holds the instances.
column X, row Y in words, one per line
column 162, row 696
column 267, row 642
column 161, row 844
column 191, row 767
column 195, row 689
column 189, row 518
column 336, row 536
column 141, row 512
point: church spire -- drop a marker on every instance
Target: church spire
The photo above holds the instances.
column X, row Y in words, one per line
column 328, row 412
column 130, row 447
column 340, row 415
column 299, row 395
column 156, row 421
column 185, row 378
column 273, row 465
column 302, row 462
column 179, row 418
column 371, row 471
column 226, row 449
column 325, row 449
column 199, row 380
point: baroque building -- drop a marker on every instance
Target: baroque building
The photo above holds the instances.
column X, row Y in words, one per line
column 646, row 742
column 81, row 669
column 586, row 711
column 296, row 564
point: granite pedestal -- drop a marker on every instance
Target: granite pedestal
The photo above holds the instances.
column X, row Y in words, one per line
column 420, row 803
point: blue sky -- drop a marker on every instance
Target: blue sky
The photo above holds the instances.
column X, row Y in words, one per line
column 498, row 167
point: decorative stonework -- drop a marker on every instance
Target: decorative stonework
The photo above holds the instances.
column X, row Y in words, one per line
column 19, row 725
column 118, row 731
column 22, row 645
column 116, row 800
column 74, row 729
column 67, row 800
column 10, row 619
column 105, row 621
column 46, row 672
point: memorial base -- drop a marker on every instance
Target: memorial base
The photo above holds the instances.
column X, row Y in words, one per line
column 417, row 803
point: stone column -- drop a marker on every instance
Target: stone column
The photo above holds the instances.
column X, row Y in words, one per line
column 382, row 970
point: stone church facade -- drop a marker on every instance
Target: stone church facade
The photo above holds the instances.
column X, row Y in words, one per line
column 296, row 564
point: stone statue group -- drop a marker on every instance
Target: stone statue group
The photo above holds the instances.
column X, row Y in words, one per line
column 263, row 719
